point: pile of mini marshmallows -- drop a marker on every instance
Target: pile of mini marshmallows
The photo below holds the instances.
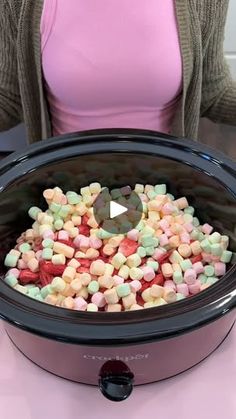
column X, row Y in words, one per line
column 67, row 260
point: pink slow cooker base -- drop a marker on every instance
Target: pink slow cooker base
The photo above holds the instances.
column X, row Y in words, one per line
column 148, row 362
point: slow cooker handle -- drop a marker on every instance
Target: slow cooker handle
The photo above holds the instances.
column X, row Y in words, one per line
column 116, row 381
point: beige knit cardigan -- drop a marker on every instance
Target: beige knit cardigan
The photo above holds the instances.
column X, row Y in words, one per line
column 208, row 89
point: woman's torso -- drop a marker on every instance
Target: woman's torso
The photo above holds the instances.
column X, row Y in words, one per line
column 112, row 63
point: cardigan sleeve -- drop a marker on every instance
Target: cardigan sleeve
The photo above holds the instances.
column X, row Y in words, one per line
column 218, row 88
column 10, row 102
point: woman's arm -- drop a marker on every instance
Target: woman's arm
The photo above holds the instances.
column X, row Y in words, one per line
column 10, row 103
column 218, row 87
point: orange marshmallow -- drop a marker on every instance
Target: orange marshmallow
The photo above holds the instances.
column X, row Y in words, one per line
column 185, row 250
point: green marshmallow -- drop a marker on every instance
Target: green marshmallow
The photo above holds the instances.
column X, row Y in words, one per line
column 202, row 278
column 45, row 291
column 134, row 199
column 186, row 264
column 143, row 207
column 150, row 250
column 206, row 245
column 194, row 234
column 172, row 198
column 201, row 236
column 123, row 290
column 178, row 277
column 55, row 207
column 29, row 286
column 179, row 296
column 147, row 230
column 209, row 270
column 48, row 243
column 140, row 225
column 126, row 225
column 24, row 247
column 141, row 252
column 196, row 222
column 11, row 260
column 188, row 218
column 72, row 198
column 216, row 249
column 212, row 280
column 39, row 297
column 215, row 237
column 11, row 280
column 33, row 292
column 160, row 189
column 64, row 211
column 103, row 234
column 226, row 256
column 189, row 210
column 153, row 264
column 116, row 193
column 151, row 194
column 33, row 212
column 58, row 224
column 47, row 253
column 93, row 287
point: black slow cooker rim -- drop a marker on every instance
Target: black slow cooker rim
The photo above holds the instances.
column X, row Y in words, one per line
column 98, row 328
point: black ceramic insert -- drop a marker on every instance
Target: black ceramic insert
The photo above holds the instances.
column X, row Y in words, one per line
column 115, row 158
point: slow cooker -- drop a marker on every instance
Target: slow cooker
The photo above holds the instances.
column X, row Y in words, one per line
column 119, row 350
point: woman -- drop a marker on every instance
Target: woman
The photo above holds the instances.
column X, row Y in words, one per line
column 79, row 64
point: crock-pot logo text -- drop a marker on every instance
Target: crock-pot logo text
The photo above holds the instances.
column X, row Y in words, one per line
column 137, row 357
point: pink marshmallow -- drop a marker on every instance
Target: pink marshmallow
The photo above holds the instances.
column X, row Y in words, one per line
column 207, row 229
column 185, row 238
column 126, row 190
column 163, row 224
column 63, row 235
column 188, row 227
column 95, row 242
column 21, row 264
column 168, row 209
column 148, row 273
column 183, row 289
column 158, row 254
column 118, row 280
column 77, row 240
column 133, row 234
column 135, row 285
column 143, row 197
column 98, row 299
column 80, row 304
column 170, row 284
column 163, row 240
column 38, row 254
column 168, row 232
column 198, row 267
column 63, row 200
column 206, row 257
column 190, row 276
column 84, row 242
column 15, row 272
column 195, row 288
column 220, row 268
column 48, row 234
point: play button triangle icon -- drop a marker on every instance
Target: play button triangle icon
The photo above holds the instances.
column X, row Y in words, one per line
column 116, row 209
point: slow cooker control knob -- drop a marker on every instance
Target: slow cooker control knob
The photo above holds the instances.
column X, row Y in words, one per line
column 116, row 381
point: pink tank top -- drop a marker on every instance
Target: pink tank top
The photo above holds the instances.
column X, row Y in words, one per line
column 111, row 63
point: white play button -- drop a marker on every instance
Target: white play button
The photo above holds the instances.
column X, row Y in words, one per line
column 116, row 209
